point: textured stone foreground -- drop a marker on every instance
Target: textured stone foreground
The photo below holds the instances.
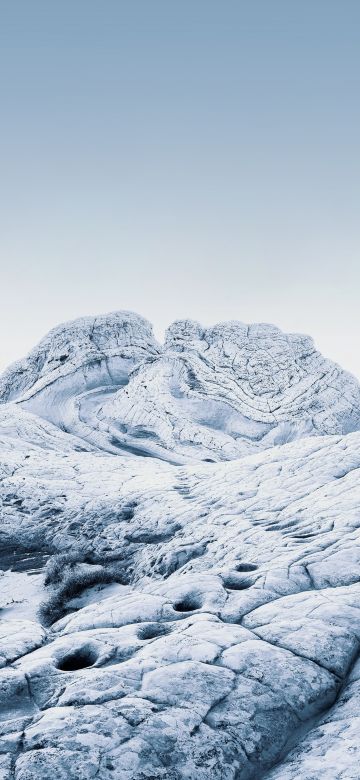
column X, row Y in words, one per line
column 180, row 555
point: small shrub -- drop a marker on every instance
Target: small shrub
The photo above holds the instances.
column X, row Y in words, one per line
column 75, row 578
column 57, row 565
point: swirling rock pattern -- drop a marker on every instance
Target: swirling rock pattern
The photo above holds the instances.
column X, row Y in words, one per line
column 200, row 606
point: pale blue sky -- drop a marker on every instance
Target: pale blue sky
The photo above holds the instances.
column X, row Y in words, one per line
column 181, row 158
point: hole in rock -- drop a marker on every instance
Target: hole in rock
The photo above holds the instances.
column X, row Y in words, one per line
column 78, row 659
column 237, row 583
column 246, row 567
column 152, row 630
column 187, row 604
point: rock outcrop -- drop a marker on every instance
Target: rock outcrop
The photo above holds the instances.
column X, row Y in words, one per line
column 194, row 619
column 207, row 394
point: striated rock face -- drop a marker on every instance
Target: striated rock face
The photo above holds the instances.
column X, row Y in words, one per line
column 84, row 346
column 67, row 377
column 232, row 390
column 166, row 616
column 213, row 394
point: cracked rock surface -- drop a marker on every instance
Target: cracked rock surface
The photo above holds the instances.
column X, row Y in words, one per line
column 179, row 556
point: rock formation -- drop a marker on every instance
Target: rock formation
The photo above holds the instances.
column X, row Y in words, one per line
column 180, row 548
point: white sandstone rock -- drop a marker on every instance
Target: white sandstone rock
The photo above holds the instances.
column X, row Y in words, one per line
column 228, row 649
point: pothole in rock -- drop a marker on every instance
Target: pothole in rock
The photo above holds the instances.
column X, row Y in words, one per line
column 234, row 582
column 188, row 604
column 78, row 659
column 152, row 630
column 244, row 567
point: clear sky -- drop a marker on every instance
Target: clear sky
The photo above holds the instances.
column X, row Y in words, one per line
column 181, row 158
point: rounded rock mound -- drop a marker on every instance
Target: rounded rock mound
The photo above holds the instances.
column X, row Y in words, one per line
column 208, row 394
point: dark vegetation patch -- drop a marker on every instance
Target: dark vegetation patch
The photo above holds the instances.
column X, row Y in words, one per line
column 69, row 574
column 61, row 563
column 58, row 564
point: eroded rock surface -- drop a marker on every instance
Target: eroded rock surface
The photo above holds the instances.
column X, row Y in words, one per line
column 194, row 619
